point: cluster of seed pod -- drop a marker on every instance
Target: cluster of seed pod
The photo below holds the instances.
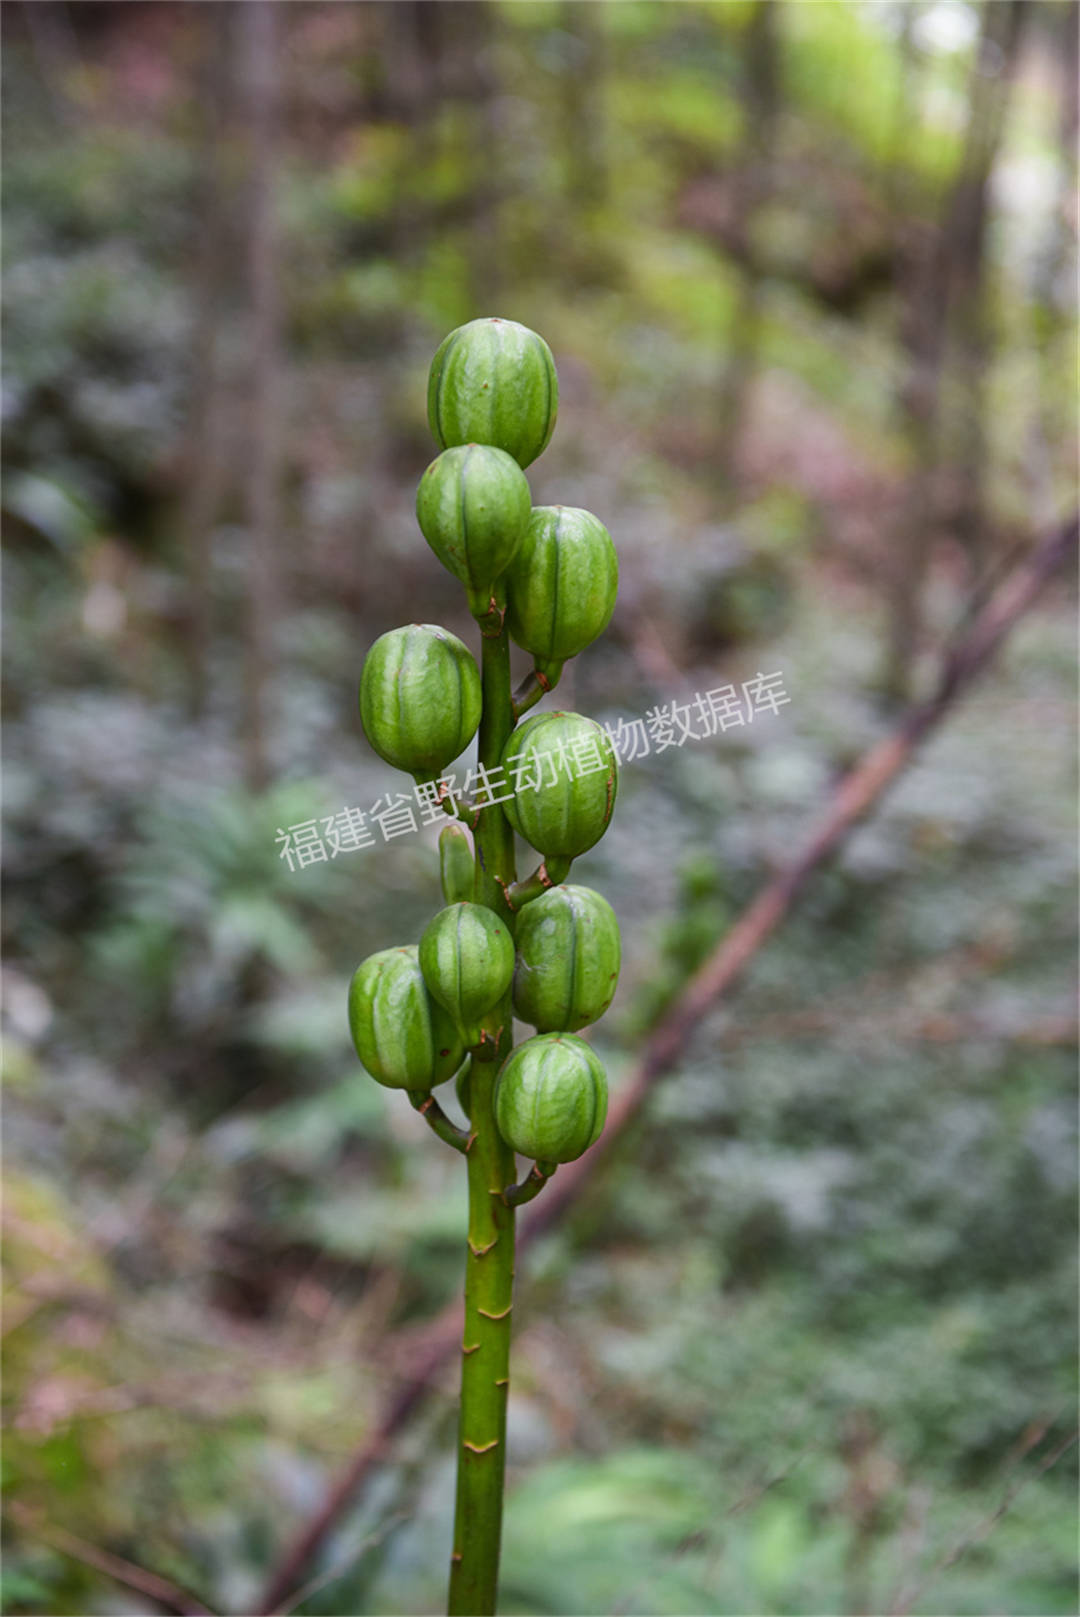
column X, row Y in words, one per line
column 550, row 574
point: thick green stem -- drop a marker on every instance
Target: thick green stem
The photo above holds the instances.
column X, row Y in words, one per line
column 489, row 1272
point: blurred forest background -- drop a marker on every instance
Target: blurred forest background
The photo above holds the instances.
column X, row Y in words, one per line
column 806, row 1342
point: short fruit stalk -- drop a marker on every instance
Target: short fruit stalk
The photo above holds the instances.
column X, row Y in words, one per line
column 420, row 1014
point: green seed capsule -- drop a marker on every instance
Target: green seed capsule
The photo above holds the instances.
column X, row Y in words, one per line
column 561, row 585
column 467, row 958
column 551, row 1098
column 457, row 870
column 404, row 1039
column 494, row 382
column 568, row 953
column 564, row 775
column 419, row 697
column 473, row 507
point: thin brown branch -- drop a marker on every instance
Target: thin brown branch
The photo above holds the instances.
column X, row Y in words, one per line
column 856, row 795
column 853, row 799
column 166, row 1593
column 442, row 1344
column 259, row 25
column 205, row 471
column 937, row 1028
column 699, row 1538
column 904, row 1602
column 347, row 1564
column 942, row 287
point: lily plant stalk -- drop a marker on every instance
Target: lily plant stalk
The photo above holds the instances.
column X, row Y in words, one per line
column 540, row 948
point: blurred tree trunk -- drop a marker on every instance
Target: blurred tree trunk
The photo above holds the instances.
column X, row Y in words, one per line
column 871, row 1478
column 897, row 187
column 947, row 272
column 921, row 338
column 583, row 82
column 259, row 62
column 413, row 33
column 1070, row 82
column 486, row 168
column 1054, row 284
column 973, row 332
column 753, row 180
column 204, row 481
column 56, row 53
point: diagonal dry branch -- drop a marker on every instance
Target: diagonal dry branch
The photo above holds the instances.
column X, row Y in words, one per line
column 161, row 1590
column 907, row 1598
column 857, row 793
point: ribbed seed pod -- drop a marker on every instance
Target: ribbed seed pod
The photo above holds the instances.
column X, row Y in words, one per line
column 551, row 1098
column 419, row 697
column 457, row 869
column 403, row 1037
column 561, row 585
column 568, row 953
column 467, row 958
column 473, row 507
column 563, row 772
column 494, row 382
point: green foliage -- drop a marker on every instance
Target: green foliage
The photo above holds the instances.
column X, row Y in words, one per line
column 582, row 1522
column 836, row 1261
column 690, row 117
column 865, row 108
